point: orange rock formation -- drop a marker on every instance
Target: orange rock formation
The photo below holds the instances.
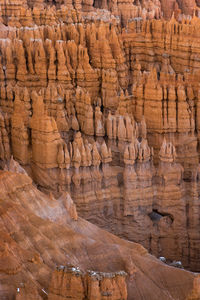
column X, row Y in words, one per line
column 99, row 108
column 40, row 232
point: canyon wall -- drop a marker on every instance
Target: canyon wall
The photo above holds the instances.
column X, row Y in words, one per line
column 48, row 252
column 85, row 108
column 99, row 106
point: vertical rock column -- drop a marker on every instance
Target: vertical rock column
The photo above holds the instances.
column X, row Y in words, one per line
column 169, row 231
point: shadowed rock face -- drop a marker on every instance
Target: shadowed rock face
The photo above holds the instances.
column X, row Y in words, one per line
column 187, row 6
column 39, row 232
column 168, row 8
column 99, row 118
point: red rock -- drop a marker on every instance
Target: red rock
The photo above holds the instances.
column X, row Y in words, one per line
column 38, row 234
column 99, row 103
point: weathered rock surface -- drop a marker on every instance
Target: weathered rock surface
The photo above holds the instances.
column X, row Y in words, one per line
column 92, row 285
column 99, row 105
column 38, row 232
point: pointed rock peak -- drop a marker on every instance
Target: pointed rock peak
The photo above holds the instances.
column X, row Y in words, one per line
column 173, row 20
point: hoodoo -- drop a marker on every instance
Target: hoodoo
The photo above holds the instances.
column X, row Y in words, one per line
column 99, row 150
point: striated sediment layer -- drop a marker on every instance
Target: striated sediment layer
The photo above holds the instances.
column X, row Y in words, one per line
column 99, row 118
column 40, row 232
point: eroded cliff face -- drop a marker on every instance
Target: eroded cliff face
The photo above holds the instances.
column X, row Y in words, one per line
column 91, row 285
column 99, row 105
column 46, row 252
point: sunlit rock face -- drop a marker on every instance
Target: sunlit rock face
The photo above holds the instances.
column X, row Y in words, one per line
column 95, row 285
column 99, row 110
